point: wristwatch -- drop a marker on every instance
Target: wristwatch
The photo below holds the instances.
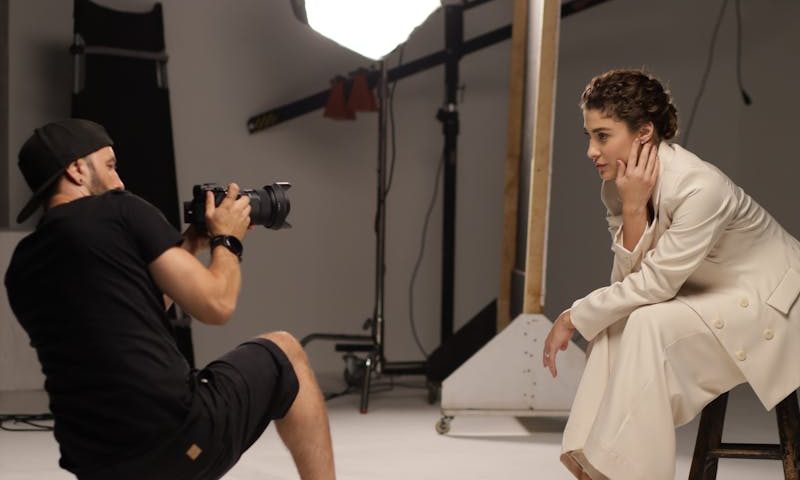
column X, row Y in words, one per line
column 228, row 241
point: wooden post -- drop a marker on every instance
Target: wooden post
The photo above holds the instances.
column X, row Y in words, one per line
column 545, row 16
column 516, row 120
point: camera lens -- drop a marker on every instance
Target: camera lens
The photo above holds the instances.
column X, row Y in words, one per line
column 270, row 206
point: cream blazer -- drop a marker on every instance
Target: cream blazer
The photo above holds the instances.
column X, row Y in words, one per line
column 715, row 249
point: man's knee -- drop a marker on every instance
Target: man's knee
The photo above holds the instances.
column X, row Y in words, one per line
column 290, row 346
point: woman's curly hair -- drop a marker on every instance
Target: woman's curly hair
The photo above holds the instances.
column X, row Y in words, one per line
column 634, row 97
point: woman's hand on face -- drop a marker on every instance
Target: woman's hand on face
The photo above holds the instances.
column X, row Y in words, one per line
column 557, row 340
column 637, row 179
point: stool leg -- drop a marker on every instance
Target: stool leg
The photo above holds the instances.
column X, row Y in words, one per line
column 788, row 416
column 709, row 436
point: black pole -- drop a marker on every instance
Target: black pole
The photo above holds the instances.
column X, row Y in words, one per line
column 448, row 115
column 380, row 224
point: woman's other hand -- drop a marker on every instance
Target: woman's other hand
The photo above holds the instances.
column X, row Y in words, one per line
column 557, row 340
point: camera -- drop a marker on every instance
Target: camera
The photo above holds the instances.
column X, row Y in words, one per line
column 269, row 206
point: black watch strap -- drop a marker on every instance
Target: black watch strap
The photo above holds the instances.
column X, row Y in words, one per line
column 228, row 241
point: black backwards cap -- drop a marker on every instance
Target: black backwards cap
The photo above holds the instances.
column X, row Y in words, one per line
column 51, row 148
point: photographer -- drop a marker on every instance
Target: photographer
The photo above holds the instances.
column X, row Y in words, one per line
column 91, row 285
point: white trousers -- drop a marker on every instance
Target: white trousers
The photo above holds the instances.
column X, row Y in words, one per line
column 645, row 375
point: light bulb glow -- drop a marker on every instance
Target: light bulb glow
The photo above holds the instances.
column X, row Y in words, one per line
column 372, row 28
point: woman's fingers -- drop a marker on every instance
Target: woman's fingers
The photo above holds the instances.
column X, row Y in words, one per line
column 656, row 167
column 549, row 355
column 548, row 359
column 546, row 356
column 633, row 155
column 636, row 180
column 639, row 159
column 644, row 158
column 647, row 161
column 651, row 162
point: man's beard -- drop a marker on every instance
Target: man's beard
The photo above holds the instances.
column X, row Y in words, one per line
column 96, row 187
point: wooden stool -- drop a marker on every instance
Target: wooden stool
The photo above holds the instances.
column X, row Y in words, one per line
column 709, row 447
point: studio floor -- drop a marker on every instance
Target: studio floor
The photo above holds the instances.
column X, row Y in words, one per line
column 397, row 440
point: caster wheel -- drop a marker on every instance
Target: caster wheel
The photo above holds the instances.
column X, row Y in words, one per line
column 443, row 425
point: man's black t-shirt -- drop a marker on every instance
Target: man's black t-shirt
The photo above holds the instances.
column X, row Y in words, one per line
column 81, row 288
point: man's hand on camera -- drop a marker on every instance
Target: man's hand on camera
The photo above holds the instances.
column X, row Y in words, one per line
column 231, row 216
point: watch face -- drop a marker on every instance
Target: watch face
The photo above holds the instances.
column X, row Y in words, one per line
column 230, row 242
column 234, row 244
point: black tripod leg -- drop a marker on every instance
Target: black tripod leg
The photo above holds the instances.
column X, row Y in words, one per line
column 368, row 365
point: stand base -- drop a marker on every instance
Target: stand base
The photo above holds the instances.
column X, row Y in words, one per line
column 442, row 362
column 359, row 371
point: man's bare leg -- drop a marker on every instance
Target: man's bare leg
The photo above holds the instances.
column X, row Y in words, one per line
column 305, row 430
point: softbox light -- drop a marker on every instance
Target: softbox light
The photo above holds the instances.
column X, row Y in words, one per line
column 372, row 28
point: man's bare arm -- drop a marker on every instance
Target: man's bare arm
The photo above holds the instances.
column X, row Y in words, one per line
column 193, row 242
column 207, row 294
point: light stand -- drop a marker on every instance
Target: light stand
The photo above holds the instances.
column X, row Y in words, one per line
column 456, row 348
column 448, row 116
column 364, row 29
column 378, row 332
column 373, row 344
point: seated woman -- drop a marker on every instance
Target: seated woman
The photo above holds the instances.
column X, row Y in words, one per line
column 702, row 294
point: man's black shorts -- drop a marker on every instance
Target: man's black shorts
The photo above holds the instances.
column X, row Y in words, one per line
column 236, row 396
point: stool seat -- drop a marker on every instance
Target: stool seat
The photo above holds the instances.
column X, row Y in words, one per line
column 709, row 447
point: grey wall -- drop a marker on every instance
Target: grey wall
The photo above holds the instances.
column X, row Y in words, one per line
column 3, row 109
column 229, row 60
column 19, row 367
column 39, row 80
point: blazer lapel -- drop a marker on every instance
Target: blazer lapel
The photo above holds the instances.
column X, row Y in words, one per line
column 666, row 155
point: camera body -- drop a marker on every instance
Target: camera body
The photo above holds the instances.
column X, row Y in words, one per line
column 269, row 206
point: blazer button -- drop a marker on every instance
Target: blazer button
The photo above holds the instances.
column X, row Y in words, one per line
column 744, row 303
column 718, row 323
column 769, row 334
column 741, row 356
